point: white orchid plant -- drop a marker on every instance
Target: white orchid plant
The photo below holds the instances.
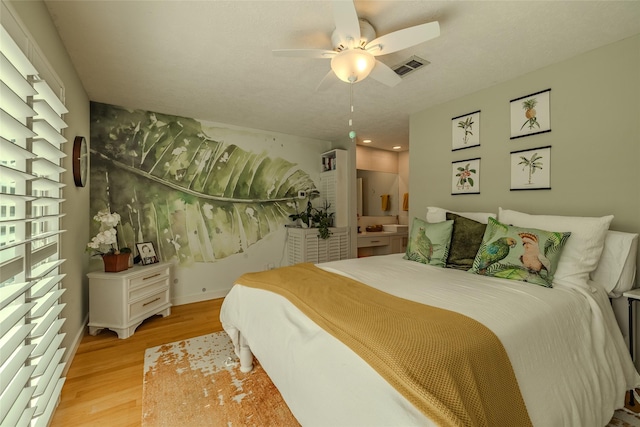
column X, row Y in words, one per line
column 106, row 241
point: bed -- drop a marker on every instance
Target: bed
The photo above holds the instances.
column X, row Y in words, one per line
column 565, row 349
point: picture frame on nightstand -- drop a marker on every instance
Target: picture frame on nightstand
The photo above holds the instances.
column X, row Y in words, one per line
column 147, row 253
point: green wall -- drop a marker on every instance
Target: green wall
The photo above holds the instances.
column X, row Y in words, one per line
column 595, row 139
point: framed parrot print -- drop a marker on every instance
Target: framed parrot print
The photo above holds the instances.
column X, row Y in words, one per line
column 465, row 176
column 530, row 169
column 465, row 131
column 530, row 114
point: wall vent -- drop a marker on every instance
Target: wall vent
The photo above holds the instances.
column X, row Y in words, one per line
column 410, row 65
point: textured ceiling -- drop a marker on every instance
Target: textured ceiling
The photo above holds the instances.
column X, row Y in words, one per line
column 212, row 60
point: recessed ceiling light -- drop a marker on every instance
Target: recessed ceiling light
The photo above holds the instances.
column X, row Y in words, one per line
column 397, row 147
column 366, row 141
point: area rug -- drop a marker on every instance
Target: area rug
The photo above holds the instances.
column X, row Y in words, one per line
column 624, row 418
column 197, row 382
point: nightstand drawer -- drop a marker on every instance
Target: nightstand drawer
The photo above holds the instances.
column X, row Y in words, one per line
column 148, row 304
column 154, row 284
column 151, row 277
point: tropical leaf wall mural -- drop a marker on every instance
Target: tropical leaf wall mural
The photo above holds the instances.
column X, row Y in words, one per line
column 196, row 199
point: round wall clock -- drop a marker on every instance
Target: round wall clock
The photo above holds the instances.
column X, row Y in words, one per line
column 80, row 161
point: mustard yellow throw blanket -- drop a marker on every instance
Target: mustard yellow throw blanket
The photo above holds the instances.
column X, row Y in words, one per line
column 451, row 367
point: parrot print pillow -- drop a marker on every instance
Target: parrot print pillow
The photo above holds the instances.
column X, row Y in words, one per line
column 517, row 253
column 429, row 242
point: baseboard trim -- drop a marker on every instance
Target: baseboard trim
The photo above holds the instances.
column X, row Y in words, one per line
column 188, row 299
column 71, row 351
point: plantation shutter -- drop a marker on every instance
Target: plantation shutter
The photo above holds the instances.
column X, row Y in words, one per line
column 31, row 137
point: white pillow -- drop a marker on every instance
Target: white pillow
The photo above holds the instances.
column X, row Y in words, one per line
column 582, row 252
column 617, row 267
column 438, row 215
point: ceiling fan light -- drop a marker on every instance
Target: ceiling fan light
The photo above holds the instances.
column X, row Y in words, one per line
column 352, row 65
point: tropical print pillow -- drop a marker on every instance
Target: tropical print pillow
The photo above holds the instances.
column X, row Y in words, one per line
column 526, row 254
column 429, row 242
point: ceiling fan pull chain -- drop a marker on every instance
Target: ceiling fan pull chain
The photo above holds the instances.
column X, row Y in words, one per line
column 350, row 103
column 352, row 133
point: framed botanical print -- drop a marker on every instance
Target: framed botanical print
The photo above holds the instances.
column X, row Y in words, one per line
column 465, row 176
column 465, row 131
column 530, row 114
column 531, row 169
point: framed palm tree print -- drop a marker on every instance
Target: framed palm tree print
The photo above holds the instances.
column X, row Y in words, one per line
column 530, row 169
column 465, row 131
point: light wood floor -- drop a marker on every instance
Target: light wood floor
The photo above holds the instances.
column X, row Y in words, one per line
column 104, row 383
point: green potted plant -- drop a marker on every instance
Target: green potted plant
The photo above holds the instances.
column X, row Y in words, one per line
column 303, row 218
column 318, row 218
column 323, row 219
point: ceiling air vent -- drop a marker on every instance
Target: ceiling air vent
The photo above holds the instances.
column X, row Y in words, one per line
column 410, row 65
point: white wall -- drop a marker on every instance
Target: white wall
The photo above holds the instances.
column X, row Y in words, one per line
column 374, row 159
column 352, row 194
column 403, row 185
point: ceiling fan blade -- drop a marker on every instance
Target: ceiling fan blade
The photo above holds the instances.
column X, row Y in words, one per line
column 347, row 24
column 305, row 53
column 403, row 39
column 384, row 74
column 327, row 81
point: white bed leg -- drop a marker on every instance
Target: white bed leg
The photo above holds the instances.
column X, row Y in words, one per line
column 246, row 357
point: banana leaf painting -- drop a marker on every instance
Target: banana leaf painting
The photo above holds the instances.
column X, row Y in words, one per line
column 197, row 199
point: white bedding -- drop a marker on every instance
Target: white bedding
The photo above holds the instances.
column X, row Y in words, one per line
column 567, row 352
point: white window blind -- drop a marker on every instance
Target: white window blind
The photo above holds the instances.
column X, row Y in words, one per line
column 31, row 137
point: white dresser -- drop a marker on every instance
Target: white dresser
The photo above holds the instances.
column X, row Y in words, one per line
column 304, row 245
column 122, row 301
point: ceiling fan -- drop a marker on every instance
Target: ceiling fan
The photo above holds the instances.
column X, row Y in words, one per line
column 355, row 47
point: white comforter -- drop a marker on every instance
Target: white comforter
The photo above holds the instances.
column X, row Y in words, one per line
column 567, row 352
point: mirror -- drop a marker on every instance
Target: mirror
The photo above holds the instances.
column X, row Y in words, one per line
column 372, row 185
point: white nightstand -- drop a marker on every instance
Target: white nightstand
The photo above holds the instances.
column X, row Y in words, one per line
column 633, row 295
column 122, row 301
